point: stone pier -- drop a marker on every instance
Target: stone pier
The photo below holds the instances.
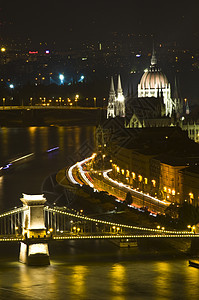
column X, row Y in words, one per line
column 34, row 247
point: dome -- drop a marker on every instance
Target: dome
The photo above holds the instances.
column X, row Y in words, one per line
column 153, row 78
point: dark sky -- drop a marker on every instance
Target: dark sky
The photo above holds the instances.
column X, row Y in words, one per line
column 63, row 20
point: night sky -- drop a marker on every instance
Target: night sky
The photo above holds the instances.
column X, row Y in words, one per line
column 61, row 21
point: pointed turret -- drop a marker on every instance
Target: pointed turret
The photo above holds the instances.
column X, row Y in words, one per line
column 153, row 57
column 176, row 90
column 112, row 85
column 177, row 98
column 111, row 101
column 119, row 86
column 112, row 89
column 187, row 107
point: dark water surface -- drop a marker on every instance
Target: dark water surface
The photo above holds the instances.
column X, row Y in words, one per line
column 78, row 270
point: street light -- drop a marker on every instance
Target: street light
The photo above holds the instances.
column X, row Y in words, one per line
column 94, row 101
column 76, row 99
column 4, row 100
column 61, row 77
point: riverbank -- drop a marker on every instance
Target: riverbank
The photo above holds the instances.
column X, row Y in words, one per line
column 103, row 206
column 50, row 117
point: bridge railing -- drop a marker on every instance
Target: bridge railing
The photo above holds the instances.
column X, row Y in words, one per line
column 11, row 222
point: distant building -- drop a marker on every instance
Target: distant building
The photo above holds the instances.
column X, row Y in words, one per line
column 116, row 101
column 155, row 160
column 153, row 83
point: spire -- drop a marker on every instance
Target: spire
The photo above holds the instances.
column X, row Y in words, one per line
column 112, row 85
column 153, row 57
column 112, row 91
column 119, row 86
column 187, row 107
column 176, row 90
column 111, row 101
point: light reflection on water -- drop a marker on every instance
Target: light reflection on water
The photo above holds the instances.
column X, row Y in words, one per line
column 118, row 281
column 28, row 175
column 103, row 280
column 88, row 272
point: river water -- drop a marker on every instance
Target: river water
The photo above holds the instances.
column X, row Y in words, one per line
column 78, row 270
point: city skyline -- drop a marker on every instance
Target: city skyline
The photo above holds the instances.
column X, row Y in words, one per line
column 66, row 21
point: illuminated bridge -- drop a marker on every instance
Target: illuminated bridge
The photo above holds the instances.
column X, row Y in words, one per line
column 35, row 224
column 50, row 107
column 61, row 224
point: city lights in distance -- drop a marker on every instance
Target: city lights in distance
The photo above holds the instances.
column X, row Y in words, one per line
column 61, row 78
column 81, row 78
column 3, row 49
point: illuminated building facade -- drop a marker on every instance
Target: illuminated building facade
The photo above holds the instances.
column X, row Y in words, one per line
column 190, row 184
column 155, row 83
column 116, row 102
column 152, row 161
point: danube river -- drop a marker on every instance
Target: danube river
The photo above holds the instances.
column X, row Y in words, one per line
column 78, row 270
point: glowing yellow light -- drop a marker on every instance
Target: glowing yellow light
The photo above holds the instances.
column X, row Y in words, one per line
column 191, row 195
column 173, row 192
column 153, row 182
column 122, row 172
column 165, row 189
column 38, row 248
column 140, row 177
column 145, row 180
column 3, row 49
column 118, row 169
column 133, row 175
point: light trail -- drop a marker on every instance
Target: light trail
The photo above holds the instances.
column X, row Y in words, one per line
column 105, row 174
column 22, row 157
column 15, row 160
column 52, row 149
column 82, row 172
column 70, row 174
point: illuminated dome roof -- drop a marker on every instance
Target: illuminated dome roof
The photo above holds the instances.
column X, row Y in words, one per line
column 153, row 78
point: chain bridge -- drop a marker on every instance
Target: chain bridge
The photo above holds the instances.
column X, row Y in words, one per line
column 34, row 224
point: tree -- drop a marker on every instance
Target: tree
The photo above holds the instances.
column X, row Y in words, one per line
column 128, row 200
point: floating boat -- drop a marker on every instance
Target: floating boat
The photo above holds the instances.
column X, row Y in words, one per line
column 125, row 243
column 194, row 263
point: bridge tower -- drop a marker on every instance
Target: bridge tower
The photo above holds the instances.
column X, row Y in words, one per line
column 34, row 247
